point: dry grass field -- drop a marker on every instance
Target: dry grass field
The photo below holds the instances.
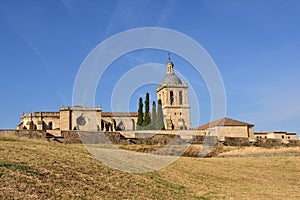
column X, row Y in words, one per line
column 31, row 169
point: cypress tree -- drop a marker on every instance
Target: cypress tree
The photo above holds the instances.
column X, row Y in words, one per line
column 153, row 120
column 140, row 113
column 147, row 119
column 159, row 117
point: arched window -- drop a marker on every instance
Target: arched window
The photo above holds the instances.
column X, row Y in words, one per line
column 171, row 98
column 102, row 125
column 159, row 97
column 180, row 97
column 50, row 125
column 121, row 126
column 133, row 124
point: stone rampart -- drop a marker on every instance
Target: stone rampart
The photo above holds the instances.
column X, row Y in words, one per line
column 237, row 141
column 293, row 143
column 33, row 134
column 148, row 138
column 87, row 137
column 268, row 143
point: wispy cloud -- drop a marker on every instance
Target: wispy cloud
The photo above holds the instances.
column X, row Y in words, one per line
column 277, row 105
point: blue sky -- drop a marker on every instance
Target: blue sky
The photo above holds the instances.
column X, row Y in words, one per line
column 255, row 45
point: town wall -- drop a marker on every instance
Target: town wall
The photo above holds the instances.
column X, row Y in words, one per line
column 148, row 138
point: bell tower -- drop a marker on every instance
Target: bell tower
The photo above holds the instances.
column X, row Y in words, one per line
column 174, row 97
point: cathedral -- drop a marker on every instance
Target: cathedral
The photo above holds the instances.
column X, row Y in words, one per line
column 172, row 92
column 173, row 95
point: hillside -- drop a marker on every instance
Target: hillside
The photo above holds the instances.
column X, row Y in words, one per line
column 31, row 169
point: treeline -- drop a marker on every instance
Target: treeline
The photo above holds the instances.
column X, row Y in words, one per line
column 147, row 121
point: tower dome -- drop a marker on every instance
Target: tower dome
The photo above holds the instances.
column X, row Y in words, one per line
column 171, row 77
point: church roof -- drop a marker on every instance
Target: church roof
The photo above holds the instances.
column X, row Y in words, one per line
column 119, row 114
column 171, row 79
column 223, row 122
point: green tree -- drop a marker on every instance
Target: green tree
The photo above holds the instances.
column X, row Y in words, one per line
column 140, row 113
column 147, row 118
column 159, row 117
column 153, row 120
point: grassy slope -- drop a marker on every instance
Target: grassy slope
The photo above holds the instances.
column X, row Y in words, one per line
column 42, row 170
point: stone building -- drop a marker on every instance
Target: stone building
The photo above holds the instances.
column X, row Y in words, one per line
column 78, row 118
column 174, row 97
column 40, row 121
column 172, row 93
column 119, row 121
column 227, row 127
column 285, row 137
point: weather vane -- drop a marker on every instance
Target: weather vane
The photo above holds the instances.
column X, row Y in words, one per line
column 169, row 55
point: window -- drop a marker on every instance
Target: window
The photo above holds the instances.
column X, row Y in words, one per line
column 171, row 98
column 50, row 125
column 180, row 97
column 282, row 136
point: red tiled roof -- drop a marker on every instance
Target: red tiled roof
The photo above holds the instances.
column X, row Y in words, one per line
column 223, row 122
column 119, row 114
